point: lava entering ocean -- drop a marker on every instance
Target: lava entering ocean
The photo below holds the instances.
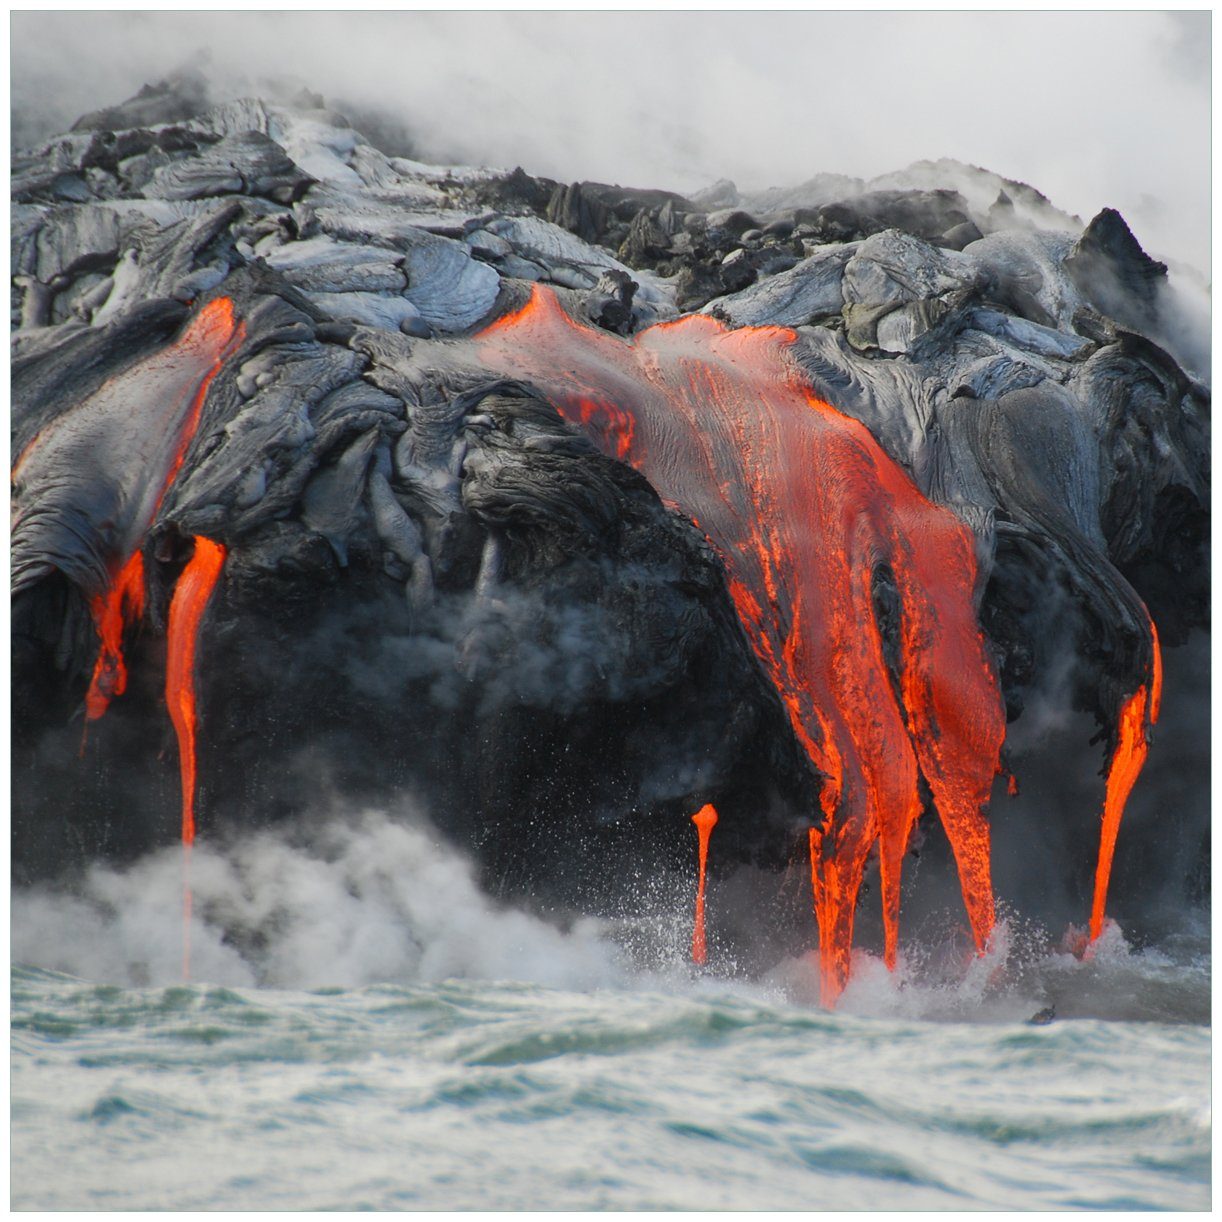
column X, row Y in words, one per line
column 810, row 516
column 856, row 593
column 705, row 820
column 420, row 570
column 1139, row 713
column 161, row 400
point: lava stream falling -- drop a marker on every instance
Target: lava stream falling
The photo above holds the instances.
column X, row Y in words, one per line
column 120, row 606
column 807, row 512
column 191, row 594
column 132, row 435
column 704, row 819
column 1139, row 713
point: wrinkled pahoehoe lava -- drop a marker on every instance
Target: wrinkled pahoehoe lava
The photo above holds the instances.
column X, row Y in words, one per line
column 578, row 511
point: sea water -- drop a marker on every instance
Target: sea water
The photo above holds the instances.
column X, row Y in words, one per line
column 366, row 1030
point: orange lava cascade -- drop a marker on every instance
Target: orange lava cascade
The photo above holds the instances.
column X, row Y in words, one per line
column 191, row 595
column 805, row 509
column 150, row 412
column 705, row 819
column 1140, row 712
column 114, row 611
column 153, row 409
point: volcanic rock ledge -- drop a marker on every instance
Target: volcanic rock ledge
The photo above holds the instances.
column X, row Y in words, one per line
column 433, row 582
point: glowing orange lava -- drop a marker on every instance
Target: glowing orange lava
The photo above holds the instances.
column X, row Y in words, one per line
column 1140, row 712
column 119, row 607
column 146, row 416
column 191, row 595
column 213, row 330
column 807, row 511
column 704, row 819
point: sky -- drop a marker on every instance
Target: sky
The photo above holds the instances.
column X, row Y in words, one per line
column 1093, row 108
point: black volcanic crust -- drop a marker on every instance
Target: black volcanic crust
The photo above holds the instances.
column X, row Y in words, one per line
column 607, row 643
column 436, row 585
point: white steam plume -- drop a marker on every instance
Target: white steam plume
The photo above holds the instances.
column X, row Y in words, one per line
column 367, row 899
column 1093, row 108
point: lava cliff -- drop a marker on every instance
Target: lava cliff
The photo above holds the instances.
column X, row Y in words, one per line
column 573, row 508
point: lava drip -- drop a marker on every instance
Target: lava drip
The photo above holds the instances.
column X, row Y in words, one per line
column 191, row 596
column 704, row 819
column 808, row 513
column 115, row 610
column 131, row 435
column 1137, row 715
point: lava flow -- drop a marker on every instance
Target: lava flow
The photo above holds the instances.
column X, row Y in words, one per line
column 1139, row 713
column 114, row 611
column 145, row 417
column 191, row 596
column 704, row 819
column 810, row 517
column 132, row 434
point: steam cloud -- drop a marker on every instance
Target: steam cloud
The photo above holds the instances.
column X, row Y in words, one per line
column 1092, row 108
column 365, row 899
column 371, row 898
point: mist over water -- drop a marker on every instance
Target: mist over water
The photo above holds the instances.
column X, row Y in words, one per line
column 361, row 899
column 1094, row 109
column 345, row 903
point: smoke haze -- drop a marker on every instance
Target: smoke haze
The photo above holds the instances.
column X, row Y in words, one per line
column 1093, row 108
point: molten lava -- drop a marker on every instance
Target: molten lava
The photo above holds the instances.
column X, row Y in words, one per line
column 214, row 330
column 132, row 434
column 809, row 515
column 1139, row 713
column 114, row 611
column 191, row 595
column 187, row 607
column 704, row 819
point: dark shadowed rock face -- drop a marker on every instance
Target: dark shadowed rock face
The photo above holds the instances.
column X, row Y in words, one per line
column 435, row 582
